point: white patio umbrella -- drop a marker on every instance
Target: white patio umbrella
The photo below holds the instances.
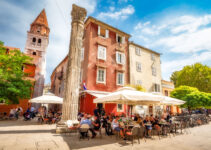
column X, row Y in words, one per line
column 129, row 96
column 171, row 101
column 48, row 98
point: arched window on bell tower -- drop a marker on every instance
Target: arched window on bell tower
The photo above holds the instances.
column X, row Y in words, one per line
column 39, row 42
column 33, row 40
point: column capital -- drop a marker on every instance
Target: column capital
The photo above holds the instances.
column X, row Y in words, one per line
column 78, row 13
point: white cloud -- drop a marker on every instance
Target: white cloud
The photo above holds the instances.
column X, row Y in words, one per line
column 182, row 35
column 188, row 42
column 179, row 37
column 189, row 23
column 120, row 14
column 111, row 8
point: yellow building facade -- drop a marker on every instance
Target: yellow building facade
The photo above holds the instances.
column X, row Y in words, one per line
column 167, row 88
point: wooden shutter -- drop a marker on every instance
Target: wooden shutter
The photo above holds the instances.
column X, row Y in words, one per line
column 123, row 59
column 104, row 52
column 107, row 33
column 123, row 40
column 99, row 52
column 98, row 30
column 117, row 57
column 116, row 37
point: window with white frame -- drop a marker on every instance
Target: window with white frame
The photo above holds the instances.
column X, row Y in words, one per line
column 82, row 54
column 139, row 82
column 138, row 51
column 153, row 57
column 103, row 32
column 156, row 87
column 154, row 71
column 101, row 75
column 120, row 58
column 120, row 78
column 101, row 52
column 120, row 108
column 120, row 39
column 138, row 66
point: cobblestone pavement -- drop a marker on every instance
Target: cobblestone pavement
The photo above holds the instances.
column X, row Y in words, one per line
column 21, row 135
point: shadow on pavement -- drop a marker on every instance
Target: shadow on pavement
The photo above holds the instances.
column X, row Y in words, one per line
column 74, row 143
column 26, row 131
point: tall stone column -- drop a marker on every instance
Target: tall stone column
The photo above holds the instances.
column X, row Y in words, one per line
column 72, row 83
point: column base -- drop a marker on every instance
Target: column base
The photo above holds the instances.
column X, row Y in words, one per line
column 62, row 127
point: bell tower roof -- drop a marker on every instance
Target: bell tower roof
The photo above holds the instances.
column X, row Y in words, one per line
column 40, row 24
column 41, row 19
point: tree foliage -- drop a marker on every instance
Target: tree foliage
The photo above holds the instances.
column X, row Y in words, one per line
column 193, row 97
column 196, row 75
column 138, row 87
column 12, row 85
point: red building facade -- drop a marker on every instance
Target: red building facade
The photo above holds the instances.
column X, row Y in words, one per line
column 104, row 66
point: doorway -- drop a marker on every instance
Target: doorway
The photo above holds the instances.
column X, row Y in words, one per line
column 100, row 106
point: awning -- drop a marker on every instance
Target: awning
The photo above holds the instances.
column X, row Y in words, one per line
column 96, row 94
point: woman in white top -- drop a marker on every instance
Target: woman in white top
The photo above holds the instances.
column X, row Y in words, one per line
column 116, row 127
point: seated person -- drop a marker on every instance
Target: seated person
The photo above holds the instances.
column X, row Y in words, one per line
column 162, row 120
column 136, row 117
column 151, row 118
column 12, row 113
column 96, row 123
column 86, row 120
column 107, row 125
column 156, row 123
column 168, row 117
column 148, row 127
column 140, row 121
column 116, row 127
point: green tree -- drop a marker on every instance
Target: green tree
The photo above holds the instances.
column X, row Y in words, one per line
column 13, row 86
column 138, row 87
column 174, row 77
column 193, row 97
column 196, row 75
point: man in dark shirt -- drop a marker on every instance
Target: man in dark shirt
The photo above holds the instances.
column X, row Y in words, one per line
column 96, row 112
column 96, row 123
column 96, row 126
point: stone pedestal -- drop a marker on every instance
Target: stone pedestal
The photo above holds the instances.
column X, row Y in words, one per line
column 72, row 84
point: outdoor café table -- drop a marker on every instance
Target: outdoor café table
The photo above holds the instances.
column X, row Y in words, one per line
column 129, row 126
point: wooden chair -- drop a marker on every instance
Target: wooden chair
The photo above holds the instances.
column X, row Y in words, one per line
column 156, row 130
column 134, row 133
column 83, row 130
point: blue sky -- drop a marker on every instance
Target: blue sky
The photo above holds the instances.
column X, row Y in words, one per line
column 179, row 29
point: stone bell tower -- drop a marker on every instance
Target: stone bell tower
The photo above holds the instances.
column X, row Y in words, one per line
column 36, row 47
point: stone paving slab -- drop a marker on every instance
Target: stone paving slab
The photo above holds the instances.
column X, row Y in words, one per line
column 19, row 135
